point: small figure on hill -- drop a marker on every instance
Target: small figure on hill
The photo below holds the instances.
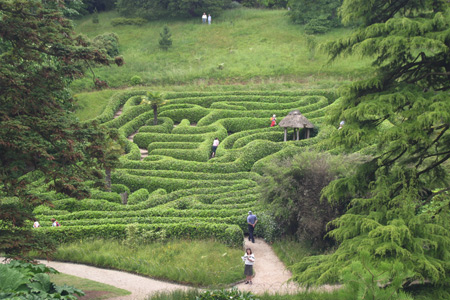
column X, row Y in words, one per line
column 214, row 147
column 251, row 221
column 36, row 224
column 209, row 19
column 204, row 17
column 341, row 124
column 273, row 121
column 55, row 223
column 249, row 260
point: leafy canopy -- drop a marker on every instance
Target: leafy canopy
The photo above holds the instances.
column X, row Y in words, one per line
column 399, row 211
column 39, row 136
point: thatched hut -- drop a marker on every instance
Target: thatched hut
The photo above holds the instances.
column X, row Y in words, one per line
column 297, row 121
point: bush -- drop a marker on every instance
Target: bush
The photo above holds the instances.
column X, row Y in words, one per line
column 128, row 21
column 109, row 42
column 138, row 196
column 135, row 80
column 226, row 295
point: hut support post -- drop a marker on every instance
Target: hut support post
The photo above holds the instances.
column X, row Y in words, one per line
column 285, row 134
column 298, row 134
column 307, row 133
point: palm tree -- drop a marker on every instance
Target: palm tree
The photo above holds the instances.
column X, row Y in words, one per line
column 155, row 100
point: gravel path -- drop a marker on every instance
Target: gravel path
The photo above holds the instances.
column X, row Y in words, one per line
column 271, row 276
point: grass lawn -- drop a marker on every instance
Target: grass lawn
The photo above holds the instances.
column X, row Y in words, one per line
column 93, row 290
column 242, row 46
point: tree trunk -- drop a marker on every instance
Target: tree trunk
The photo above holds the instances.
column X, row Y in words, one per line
column 108, row 179
column 155, row 116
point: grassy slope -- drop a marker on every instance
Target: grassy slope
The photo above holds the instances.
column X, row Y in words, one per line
column 253, row 46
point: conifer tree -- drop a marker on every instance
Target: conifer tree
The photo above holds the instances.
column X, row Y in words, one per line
column 400, row 207
column 39, row 135
column 165, row 41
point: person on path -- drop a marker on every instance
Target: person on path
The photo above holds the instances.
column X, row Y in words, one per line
column 204, row 17
column 249, row 260
column 273, row 121
column 209, row 19
column 36, row 224
column 55, row 223
column 214, row 147
column 251, row 221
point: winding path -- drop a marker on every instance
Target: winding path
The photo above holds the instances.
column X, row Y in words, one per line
column 271, row 276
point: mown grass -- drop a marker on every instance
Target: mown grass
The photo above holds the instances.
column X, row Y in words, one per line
column 252, row 45
column 199, row 263
column 90, row 105
column 87, row 286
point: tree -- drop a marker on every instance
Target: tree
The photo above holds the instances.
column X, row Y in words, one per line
column 155, row 100
column 165, row 41
column 318, row 16
column 402, row 211
column 292, row 187
column 39, row 136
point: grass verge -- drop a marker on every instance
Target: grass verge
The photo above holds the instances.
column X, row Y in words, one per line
column 94, row 290
column 199, row 263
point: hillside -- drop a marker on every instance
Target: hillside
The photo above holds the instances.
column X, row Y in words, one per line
column 243, row 46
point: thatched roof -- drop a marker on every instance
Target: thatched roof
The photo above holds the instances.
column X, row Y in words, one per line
column 295, row 120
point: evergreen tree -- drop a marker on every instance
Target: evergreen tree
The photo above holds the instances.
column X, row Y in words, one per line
column 95, row 19
column 400, row 206
column 39, row 136
column 165, row 42
column 319, row 16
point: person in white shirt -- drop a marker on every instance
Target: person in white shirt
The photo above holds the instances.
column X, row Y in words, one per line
column 214, row 147
column 36, row 224
column 204, row 17
column 249, row 260
column 209, row 19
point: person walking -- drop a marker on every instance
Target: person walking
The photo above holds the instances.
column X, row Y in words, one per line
column 251, row 221
column 36, row 224
column 55, row 223
column 204, row 17
column 249, row 260
column 214, row 147
column 209, row 19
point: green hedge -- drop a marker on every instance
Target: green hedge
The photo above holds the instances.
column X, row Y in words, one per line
column 231, row 235
column 134, row 182
column 184, row 111
column 145, row 138
column 270, row 136
column 173, row 145
column 138, row 196
column 192, row 175
column 109, row 196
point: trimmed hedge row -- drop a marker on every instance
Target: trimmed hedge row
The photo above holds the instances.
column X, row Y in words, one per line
column 197, row 129
column 173, row 145
column 229, row 141
column 269, row 103
column 134, row 182
column 178, row 165
column 270, row 136
column 231, row 235
column 180, row 112
column 138, row 196
column 192, row 175
column 114, row 103
column 145, row 138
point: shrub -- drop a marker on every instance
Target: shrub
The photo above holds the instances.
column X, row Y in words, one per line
column 119, row 188
column 109, row 42
column 226, row 295
column 128, row 21
column 138, row 196
column 135, row 80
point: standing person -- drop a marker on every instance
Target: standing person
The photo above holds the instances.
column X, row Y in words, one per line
column 274, row 122
column 249, row 260
column 341, row 124
column 214, row 147
column 36, row 224
column 204, row 18
column 209, row 19
column 251, row 221
column 55, row 223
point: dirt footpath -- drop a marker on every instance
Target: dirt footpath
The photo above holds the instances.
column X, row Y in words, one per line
column 271, row 276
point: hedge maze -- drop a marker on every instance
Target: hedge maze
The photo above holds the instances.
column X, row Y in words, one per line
column 177, row 189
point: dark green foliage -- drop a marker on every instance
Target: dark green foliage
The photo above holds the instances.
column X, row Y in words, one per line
column 293, row 188
column 95, row 19
column 128, row 21
column 37, row 130
column 109, row 42
column 399, row 212
column 21, row 280
column 170, row 8
column 165, row 41
column 318, row 16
